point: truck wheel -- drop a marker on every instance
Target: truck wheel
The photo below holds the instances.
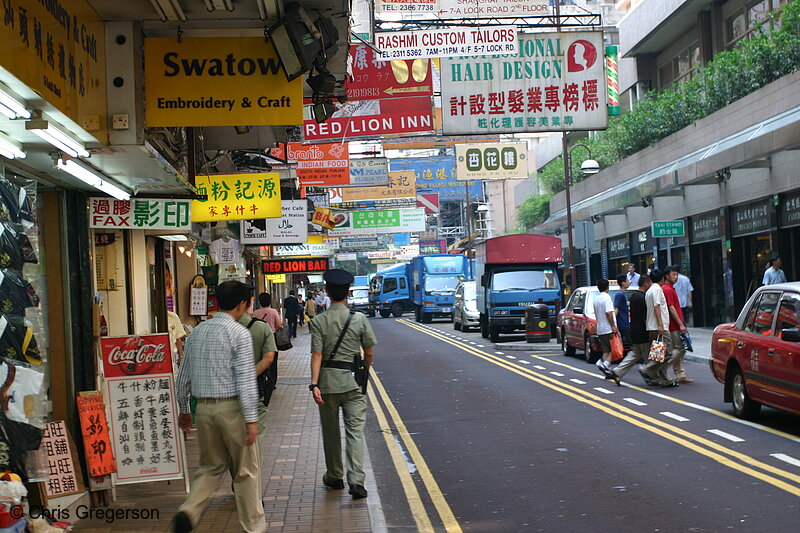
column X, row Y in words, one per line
column 426, row 317
column 456, row 324
column 590, row 355
column 494, row 333
column 418, row 314
column 484, row 327
column 743, row 406
column 385, row 313
column 397, row 310
column 568, row 350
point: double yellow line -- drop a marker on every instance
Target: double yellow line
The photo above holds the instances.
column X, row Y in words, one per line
column 725, row 456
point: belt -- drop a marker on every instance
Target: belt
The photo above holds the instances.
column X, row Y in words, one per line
column 344, row 365
column 216, row 400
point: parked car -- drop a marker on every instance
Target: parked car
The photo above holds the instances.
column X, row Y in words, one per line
column 465, row 308
column 359, row 300
column 757, row 358
column 576, row 325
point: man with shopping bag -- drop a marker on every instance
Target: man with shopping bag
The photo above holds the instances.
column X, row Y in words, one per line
column 606, row 325
column 660, row 356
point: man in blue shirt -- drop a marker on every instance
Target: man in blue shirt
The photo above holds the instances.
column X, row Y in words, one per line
column 774, row 274
column 621, row 309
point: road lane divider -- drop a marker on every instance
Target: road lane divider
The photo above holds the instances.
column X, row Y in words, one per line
column 701, row 445
column 435, row 494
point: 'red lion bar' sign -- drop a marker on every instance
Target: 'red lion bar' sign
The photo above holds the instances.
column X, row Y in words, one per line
column 293, row 266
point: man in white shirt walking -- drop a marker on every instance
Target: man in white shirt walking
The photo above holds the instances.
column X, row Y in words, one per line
column 606, row 325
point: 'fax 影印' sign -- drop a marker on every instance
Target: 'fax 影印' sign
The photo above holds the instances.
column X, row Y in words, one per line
column 238, row 197
column 457, row 42
column 491, row 161
column 556, row 82
column 145, row 213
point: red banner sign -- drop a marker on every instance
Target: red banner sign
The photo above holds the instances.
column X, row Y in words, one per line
column 136, row 355
column 96, row 440
column 319, row 165
column 291, row 266
column 374, row 79
column 372, row 118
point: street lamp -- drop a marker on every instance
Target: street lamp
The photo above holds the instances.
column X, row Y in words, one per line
column 588, row 167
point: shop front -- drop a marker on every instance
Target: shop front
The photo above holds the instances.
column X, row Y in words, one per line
column 789, row 235
column 618, row 255
column 751, row 246
column 643, row 246
column 711, row 276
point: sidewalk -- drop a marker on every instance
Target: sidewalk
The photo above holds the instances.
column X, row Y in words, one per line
column 293, row 463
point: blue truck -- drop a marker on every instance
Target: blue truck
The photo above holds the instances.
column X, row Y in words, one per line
column 389, row 292
column 433, row 279
column 514, row 272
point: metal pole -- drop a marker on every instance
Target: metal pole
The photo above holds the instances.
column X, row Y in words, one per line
column 570, row 258
column 469, row 226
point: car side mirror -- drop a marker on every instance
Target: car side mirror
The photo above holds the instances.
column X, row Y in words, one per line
column 791, row 334
column 578, row 310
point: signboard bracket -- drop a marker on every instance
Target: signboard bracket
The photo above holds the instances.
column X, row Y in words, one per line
column 542, row 21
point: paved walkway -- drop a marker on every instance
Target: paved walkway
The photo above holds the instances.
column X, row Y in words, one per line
column 293, row 463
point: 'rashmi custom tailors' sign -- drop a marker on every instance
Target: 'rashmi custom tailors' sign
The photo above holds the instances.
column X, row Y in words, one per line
column 557, row 82
column 238, row 197
column 218, row 81
column 491, row 161
column 291, row 266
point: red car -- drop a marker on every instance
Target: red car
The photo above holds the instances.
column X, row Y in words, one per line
column 757, row 358
column 576, row 325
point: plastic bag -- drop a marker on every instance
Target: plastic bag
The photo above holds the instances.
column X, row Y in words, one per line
column 617, row 351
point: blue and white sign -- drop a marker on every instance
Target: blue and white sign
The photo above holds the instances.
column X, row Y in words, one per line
column 368, row 172
column 438, row 174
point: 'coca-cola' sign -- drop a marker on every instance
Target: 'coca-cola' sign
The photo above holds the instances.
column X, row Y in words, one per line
column 136, row 355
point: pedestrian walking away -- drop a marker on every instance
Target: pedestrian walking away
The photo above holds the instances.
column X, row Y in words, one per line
column 773, row 274
column 311, row 309
column 677, row 326
column 218, row 369
column 337, row 338
column 621, row 312
column 655, row 372
column 606, row 325
column 272, row 317
column 640, row 340
column 301, row 311
column 264, row 353
column 290, row 305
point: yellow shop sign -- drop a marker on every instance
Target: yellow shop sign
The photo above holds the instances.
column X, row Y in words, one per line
column 238, row 197
column 218, row 81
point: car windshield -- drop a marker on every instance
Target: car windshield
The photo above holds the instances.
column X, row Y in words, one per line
column 590, row 296
column 469, row 291
column 359, row 293
column 525, row 280
column 440, row 283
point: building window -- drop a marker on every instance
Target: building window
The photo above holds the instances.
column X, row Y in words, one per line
column 744, row 22
column 682, row 67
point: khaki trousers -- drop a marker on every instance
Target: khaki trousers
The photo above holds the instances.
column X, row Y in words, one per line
column 354, row 409
column 221, row 433
column 678, row 353
column 638, row 354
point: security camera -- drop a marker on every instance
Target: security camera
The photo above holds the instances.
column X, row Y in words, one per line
column 590, row 166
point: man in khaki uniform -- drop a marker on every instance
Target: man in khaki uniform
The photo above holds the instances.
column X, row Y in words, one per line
column 264, row 350
column 334, row 386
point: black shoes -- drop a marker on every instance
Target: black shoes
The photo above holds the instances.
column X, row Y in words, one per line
column 181, row 523
column 615, row 378
column 358, row 492
column 336, row 484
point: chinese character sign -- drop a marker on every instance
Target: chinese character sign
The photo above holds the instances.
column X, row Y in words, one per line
column 438, row 175
column 380, row 221
column 145, row 213
column 401, row 185
column 237, row 197
column 375, row 79
column 291, row 228
column 556, row 82
column 141, row 396
column 96, row 439
column 491, row 161
column 63, row 478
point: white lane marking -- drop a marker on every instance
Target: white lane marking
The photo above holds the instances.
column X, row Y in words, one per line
column 720, row 433
column 539, row 367
column 604, row 391
column 510, row 357
column 524, row 362
column 673, row 416
column 480, row 346
column 786, row 458
column 559, row 374
column 500, row 353
column 635, row 402
column 579, row 382
column 473, row 343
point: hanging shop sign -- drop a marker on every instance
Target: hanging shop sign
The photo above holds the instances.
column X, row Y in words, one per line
column 319, row 165
column 291, row 228
column 618, row 247
column 217, row 81
column 237, row 197
column 491, row 161
column 643, row 242
column 382, row 221
column 145, row 213
column 372, row 118
column 65, row 478
column 96, row 439
column 433, row 247
column 323, row 217
column 706, row 227
column 790, row 210
column 432, row 142
column 401, row 185
column 369, row 172
column 346, row 257
column 755, row 217
column 458, row 9
column 147, row 442
column 198, row 300
column 668, row 228
column 293, row 266
column 276, row 278
column 456, row 42
column 299, row 250
column 359, row 243
column 438, row 175
column 374, row 78
column 58, row 50
column 361, row 18
column 557, row 82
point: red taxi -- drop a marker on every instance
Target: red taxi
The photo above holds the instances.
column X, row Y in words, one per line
column 576, row 325
column 757, row 357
